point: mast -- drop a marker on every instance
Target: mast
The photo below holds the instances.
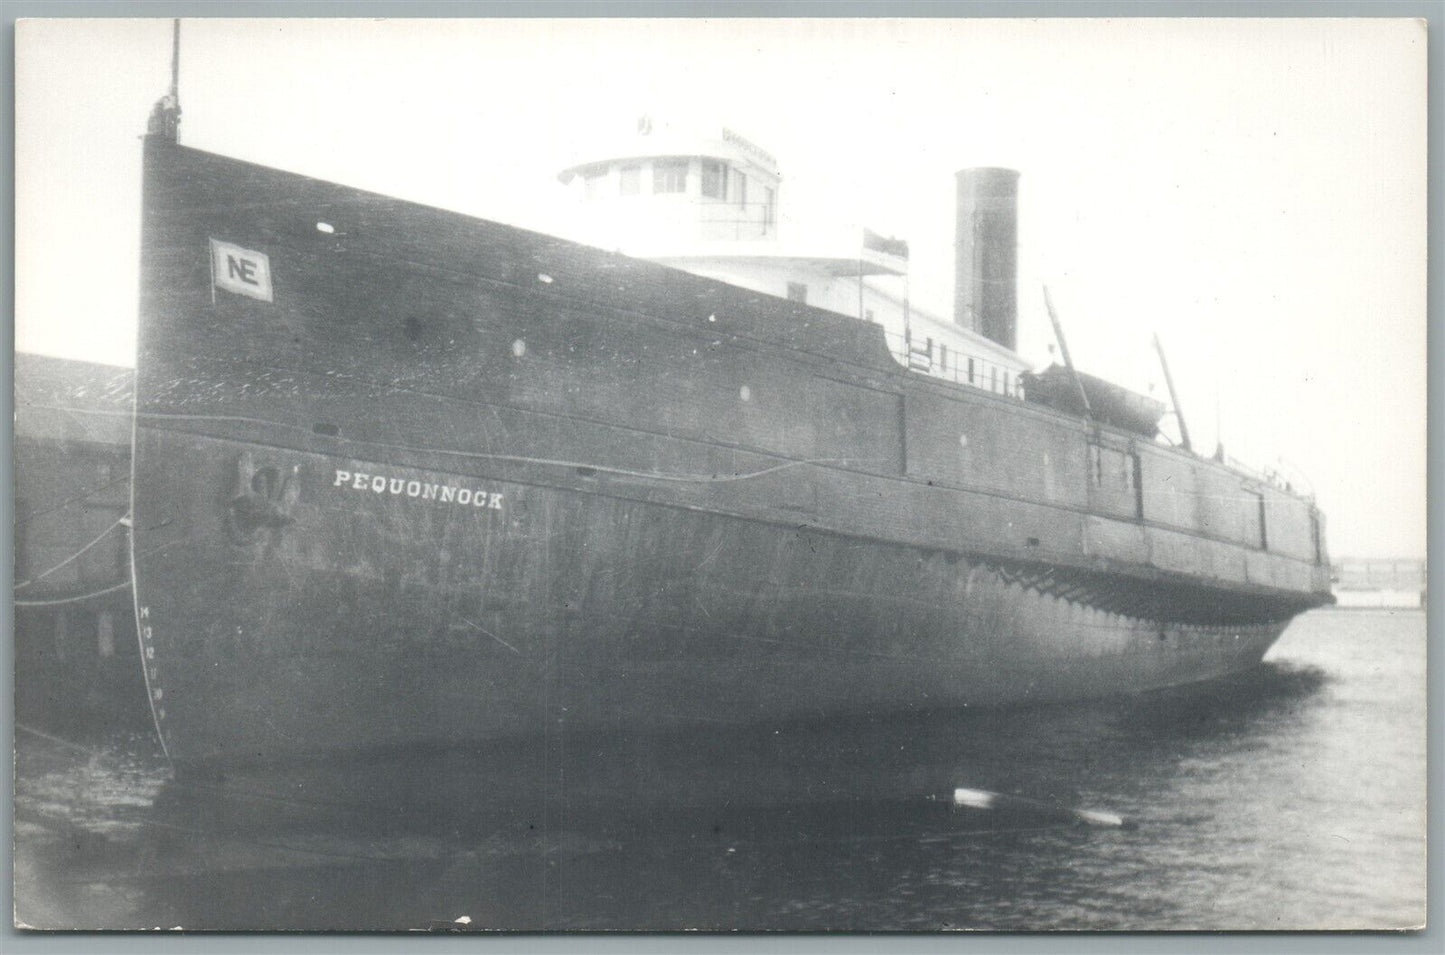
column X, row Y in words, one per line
column 165, row 119
column 1173, row 395
column 176, row 63
column 1064, row 347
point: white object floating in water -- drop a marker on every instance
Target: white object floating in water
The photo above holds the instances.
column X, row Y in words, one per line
column 984, row 799
column 1095, row 818
column 464, row 920
column 974, row 798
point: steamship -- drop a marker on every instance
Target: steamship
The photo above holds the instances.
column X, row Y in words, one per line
column 408, row 478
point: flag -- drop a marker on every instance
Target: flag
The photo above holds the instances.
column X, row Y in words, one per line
column 240, row 270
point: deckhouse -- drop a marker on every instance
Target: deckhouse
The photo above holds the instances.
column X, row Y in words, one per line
column 708, row 201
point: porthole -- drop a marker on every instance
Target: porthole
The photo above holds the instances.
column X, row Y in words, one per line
column 519, row 348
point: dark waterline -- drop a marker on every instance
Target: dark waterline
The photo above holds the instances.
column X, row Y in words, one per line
column 1291, row 797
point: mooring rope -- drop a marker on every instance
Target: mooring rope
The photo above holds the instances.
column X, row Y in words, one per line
column 487, row 456
column 22, row 520
column 88, row 750
column 41, row 576
column 76, row 599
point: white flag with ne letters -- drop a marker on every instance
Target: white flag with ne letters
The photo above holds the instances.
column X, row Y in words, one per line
column 240, row 270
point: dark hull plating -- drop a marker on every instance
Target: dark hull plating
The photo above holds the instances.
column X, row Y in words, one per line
column 458, row 481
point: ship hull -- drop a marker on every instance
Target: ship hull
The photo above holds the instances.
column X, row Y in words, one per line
column 438, row 481
column 378, row 619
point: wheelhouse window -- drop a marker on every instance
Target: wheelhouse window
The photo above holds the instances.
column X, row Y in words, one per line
column 797, row 291
column 739, row 187
column 714, row 179
column 669, row 175
column 629, row 182
column 769, row 212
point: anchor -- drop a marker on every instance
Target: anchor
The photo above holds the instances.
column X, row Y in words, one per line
column 261, row 499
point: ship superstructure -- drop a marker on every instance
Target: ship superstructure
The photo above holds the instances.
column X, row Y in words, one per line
column 710, row 201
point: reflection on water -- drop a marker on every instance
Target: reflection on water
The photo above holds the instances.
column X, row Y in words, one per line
column 1290, row 797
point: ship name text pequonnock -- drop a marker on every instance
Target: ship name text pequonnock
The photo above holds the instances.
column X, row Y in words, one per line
column 410, row 487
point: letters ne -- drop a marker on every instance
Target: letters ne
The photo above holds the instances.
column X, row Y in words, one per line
column 243, row 269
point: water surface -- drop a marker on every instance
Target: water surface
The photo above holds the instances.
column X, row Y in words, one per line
column 1290, row 798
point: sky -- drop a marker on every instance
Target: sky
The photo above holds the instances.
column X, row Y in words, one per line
column 1252, row 191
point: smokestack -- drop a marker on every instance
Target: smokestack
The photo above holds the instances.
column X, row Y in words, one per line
column 985, row 271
